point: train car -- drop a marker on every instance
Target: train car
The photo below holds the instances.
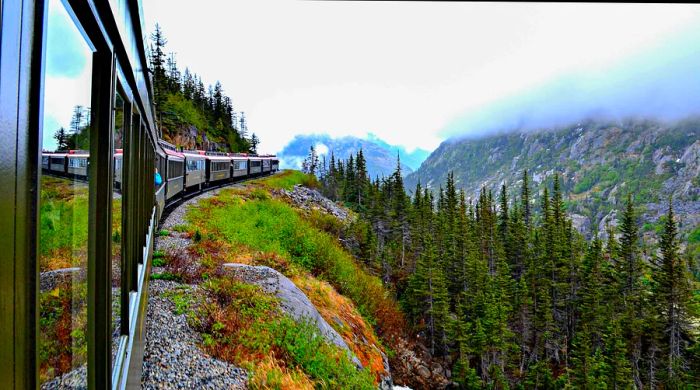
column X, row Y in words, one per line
column 239, row 166
column 275, row 165
column 255, row 164
column 57, row 163
column 161, row 164
column 266, row 164
column 218, row 168
column 118, row 202
column 195, row 167
column 78, row 164
column 175, row 175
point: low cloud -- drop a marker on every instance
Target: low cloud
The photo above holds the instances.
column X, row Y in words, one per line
column 661, row 83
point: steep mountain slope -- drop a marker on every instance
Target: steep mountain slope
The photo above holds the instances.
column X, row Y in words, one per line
column 380, row 156
column 599, row 162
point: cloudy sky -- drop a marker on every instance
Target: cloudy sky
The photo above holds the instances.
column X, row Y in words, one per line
column 417, row 73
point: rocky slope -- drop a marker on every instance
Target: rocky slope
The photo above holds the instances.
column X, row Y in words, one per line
column 598, row 162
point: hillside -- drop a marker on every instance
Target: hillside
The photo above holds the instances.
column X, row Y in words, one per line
column 380, row 156
column 192, row 116
column 248, row 277
column 599, row 163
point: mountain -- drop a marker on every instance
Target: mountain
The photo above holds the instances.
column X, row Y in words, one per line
column 380, row 156
column 599, row 164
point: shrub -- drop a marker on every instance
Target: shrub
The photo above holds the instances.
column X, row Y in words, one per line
column 243, row 324
column 165, row 276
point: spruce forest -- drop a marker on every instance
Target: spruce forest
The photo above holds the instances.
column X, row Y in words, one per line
column 510, row 295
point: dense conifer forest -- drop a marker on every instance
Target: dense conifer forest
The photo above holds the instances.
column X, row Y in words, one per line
column 509, row 294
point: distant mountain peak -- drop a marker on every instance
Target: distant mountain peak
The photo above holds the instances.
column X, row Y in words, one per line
column 380, row 155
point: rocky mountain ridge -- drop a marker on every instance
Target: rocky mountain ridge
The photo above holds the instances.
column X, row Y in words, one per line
column 599, row 163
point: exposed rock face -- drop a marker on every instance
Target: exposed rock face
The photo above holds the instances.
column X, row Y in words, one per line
column 598, row 162
column 415, row 365
column 308, row 199
column 292, row 300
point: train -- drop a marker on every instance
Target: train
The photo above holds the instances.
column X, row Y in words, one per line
column 86, row 242
column 182, row 171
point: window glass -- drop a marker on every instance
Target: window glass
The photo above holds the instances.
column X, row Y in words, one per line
column 117, row 228
column 63, row 235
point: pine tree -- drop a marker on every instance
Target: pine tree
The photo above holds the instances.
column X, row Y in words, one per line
column 61, row 137
column 525, row 198
column 673, row 296
column 254, row 141
column 160, row 81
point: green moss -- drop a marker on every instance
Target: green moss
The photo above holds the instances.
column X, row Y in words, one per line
column 165, row 276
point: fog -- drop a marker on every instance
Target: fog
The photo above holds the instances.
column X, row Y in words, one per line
column 662, row 83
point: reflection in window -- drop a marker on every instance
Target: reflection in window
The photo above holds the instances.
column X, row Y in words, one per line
column 117, row 229
column 64, row 204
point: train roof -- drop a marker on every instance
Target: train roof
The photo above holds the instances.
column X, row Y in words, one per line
column 193, row 155
column 218, row 158
column 173, row 153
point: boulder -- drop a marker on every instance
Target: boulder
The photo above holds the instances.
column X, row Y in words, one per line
column 293, row 301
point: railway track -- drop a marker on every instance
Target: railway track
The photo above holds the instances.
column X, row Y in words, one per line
column 184, row 197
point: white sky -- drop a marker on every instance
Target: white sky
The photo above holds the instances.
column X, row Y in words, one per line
column 403, row 71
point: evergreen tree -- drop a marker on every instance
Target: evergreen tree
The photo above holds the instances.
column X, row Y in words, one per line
column 673, row 296
column 254, row 141
column 61, row 137
column 158, row 66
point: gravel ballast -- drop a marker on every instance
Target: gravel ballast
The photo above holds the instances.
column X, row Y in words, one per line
column 172, row 356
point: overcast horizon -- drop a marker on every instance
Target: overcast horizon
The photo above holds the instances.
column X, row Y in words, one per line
column 415, row 74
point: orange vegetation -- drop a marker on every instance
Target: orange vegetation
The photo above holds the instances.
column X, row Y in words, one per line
column 343, row 316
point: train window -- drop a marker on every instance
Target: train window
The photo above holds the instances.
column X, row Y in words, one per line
column 64, row 204
column 194, row 165
column 160, row 165
column 118, row 268
column 219, row 166
column 174, row 169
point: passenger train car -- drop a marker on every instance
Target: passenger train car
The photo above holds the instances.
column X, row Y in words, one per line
column 186, row 172
column 78, row 225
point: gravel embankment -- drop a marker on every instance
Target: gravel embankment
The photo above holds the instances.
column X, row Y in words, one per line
column 172, row 358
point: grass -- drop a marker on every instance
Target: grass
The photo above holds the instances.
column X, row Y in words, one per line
column 166, row 276
column 249, row 226
column 287, row 179
column 63, row 223
column 182, row 299
column 240, row 323
column 272, row 226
